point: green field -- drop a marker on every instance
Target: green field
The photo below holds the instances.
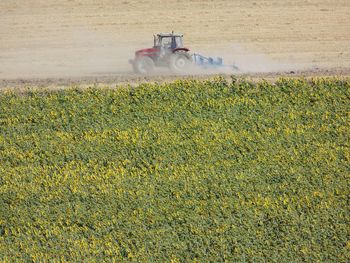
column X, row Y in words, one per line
column 186, row 171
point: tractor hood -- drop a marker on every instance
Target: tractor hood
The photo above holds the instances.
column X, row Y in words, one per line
column 154, row 51
column 146, row 51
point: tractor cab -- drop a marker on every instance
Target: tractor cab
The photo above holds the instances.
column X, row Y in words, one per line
column 168, row 41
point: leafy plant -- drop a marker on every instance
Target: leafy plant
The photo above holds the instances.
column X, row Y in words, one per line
column 184, row 171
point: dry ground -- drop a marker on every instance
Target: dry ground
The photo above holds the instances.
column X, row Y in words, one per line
column 72, row 39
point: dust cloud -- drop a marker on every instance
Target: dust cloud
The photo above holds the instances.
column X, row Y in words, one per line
column 91, row 53
column 248, row 60
column 83, row 53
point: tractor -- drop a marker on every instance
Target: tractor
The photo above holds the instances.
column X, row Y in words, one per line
column 167, row 51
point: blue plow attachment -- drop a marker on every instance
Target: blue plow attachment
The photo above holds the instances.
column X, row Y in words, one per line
column 209, row 62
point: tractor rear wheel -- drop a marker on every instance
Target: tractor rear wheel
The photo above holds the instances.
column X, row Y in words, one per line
column 180, row 62
column 143, row 65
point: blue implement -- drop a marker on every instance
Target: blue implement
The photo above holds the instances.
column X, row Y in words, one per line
column 209, row 62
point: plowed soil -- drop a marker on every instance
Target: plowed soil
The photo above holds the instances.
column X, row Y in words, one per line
column 80, row 41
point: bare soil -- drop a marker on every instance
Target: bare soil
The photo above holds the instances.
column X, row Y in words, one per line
column 68, row 42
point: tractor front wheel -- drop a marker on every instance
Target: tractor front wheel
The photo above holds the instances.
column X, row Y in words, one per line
column 143, row 65
column 180, row 62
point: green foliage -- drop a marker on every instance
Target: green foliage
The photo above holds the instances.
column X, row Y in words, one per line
column 185, row 171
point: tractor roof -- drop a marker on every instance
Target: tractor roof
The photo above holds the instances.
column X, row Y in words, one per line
column 170, row 35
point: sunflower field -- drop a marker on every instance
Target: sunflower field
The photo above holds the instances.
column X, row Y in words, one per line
column 187, row 171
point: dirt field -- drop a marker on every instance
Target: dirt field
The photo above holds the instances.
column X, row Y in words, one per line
column 72, row 39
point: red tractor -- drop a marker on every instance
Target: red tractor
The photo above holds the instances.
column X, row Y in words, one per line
column 167, row 51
